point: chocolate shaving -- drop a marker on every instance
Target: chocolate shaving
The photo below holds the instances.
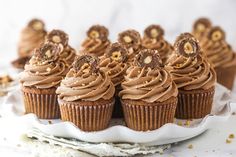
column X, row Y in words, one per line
column 36, row 24
column 117, row 52
column 216, row 34
column 86, row 63
column 130, row 38
column 202, row 24
column 154, row 32
column 58, row 37
column 187, row 45
column 98, row 32
column 47, row 52
column 148, row 58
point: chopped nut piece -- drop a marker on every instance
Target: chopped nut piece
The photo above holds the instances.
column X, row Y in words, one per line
column 180, row 123
column 231, row 136
column 228, row 141
column 190, row 146
column 49, row 69
column 127, row 39
column 49, row 122
column 188, row 48
column 56, row 39
column 148, row 59
column 94, row 34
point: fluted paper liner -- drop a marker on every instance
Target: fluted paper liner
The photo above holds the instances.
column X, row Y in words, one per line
column 88, row 116
column 142, row 116
column 42, row 102
column 226, row 76
column 194, row 104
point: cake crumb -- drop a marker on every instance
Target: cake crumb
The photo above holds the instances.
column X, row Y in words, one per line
column 180, row 123
column 49, row 122
column 228, row 141
column 231, row 136
column 190, row 146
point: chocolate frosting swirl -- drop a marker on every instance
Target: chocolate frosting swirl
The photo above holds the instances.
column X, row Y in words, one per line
column 114, row 63
column 31, row 37
column 131, row 40
column 61, row 39
column 200, row 27
column 189, row 69
column 97, row 41
column 217, row 50
column 153, row 39
column 44, row 70
column 86, row 82
column 147, row 83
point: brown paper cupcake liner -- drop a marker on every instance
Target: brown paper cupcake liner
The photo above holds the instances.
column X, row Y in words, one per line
column 88, row 116
column 143, row 116
column 42, row 102
column 226, row 76
column 194, row 104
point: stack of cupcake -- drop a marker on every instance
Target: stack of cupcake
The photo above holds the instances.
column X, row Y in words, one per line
column 217, row 50
column 146, row 81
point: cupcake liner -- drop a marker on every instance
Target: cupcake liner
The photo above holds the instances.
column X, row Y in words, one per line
column 42, row 102
column 194, row 104
column 143, row 116
column 88, row 116
column 226, row 76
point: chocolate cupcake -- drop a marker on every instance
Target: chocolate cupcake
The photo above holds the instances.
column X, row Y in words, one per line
column 41, row 77
column 114, row 64
column 154, row 39
column 200, row 27
column 149, row 95
column 86, row 95
column 61, row 39
column 131, row 40
column 97, row 41
column 194, row 77
column 221, row 55
column 31, row 37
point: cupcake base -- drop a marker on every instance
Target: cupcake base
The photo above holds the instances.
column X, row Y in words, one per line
column 194, row 104
column 42, row 102
column 87, row 115
column 226, row 76
column 143, row 116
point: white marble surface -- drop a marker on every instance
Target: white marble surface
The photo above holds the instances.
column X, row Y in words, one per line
column 75, row 16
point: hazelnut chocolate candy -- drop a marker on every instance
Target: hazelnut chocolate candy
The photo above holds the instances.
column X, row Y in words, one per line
column 98, row 32
column 187, row 45
column 36, row 24
column 216, row 34
column 58, row 37
column 154, row 32
column 86, row 63
column 148, row 58
column 117, row 52
column 47, row 52
column 202, row 24
column 129, row 37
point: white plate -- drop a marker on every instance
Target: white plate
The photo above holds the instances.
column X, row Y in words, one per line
column 169, row 133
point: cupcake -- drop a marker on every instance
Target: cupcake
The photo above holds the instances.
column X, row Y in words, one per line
column 153, row 39
column 194, row 77
column 200, row 27
column 40, row 79
column 61, row 38
column 86, row 95
column 114, row 64
column 221, row 55
column 31, row 37
column 97, row 41
column 131, row 40
column 148, row 95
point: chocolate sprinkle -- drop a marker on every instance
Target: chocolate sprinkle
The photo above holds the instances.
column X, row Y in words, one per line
column 154, row 32
column 98, row 32
column 148, row 58
column 47, row 52
column 91, row 63
column 216, row 34
column 36, row 24
column 187, row 45
column 130, row 38
column 202, row 24
column 57, row 37
column 117, row 52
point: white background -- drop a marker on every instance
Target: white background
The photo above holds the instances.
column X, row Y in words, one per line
column 75, row 17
